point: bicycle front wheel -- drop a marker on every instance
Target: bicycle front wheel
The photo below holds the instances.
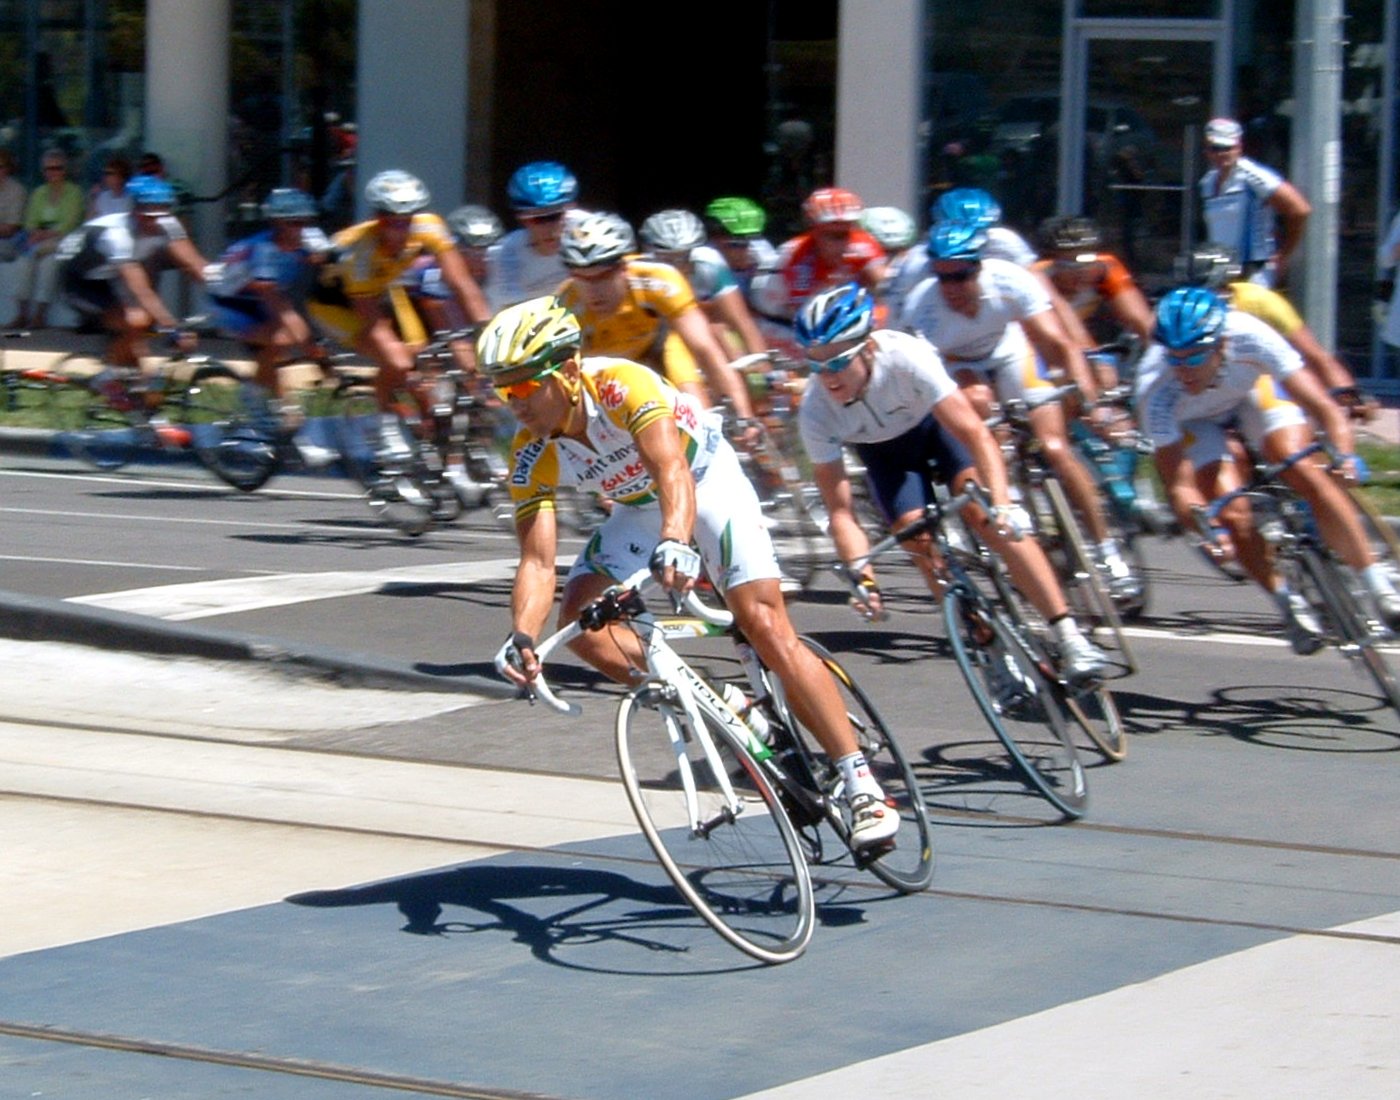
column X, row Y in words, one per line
column 231, row 426
column 1019, row 700
column 716, row 826
column 909, row 867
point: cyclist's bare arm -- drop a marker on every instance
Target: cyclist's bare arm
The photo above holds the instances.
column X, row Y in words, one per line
column 694, row 330
column 1304, row 388
column 847, row 535
column 659, row 445
column 188, row 260
column 1131, row 311
column 1049, row 339
column 464, row 287
column 729, row 310
column 532, row 595
column 134, row 277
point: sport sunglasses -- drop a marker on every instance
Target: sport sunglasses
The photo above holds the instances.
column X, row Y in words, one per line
column 1195, row 359
column 524, row 390
column 837, row 363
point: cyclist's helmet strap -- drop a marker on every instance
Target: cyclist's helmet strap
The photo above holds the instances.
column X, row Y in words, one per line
column 956, row 240
column 1189, row 316
column 831, row 316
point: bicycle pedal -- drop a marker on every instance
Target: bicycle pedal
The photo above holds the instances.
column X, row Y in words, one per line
column 864, row 857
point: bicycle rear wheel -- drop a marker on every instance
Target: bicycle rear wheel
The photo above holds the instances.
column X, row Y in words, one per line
column 739, row 864
column 232, row 427
column 1018, row 698
column 89, row 425
column 909, row 867
column 395, row 488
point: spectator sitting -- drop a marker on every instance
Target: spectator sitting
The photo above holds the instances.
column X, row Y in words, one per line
column 108, row 195
column 54, row 210
column 12, row 197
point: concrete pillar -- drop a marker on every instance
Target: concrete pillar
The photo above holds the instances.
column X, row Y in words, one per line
column 412, row 94
column 879, row 82
column 187, row 102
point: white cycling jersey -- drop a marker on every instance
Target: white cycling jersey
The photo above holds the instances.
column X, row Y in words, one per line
column 1007, row 293
column 98, row 247
column 913, row 266
column 1253, row 350
column 907, row 379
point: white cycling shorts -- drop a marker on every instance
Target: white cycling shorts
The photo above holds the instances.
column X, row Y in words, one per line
column 730, row 533
column 1261, row 414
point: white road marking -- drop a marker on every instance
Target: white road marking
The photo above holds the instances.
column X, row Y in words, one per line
column 204, row 599
column 177, row 483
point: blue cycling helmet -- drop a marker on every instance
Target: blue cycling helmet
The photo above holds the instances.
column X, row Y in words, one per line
column 290, row 204
column 845, row 312
column 966, row 204
column 1189, row 316
column 959, row 240
column 151, row 191
column 541, row 187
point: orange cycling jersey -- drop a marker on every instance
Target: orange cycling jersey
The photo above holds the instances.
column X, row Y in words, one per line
column 365, row 270
column 620, row 400
column 804, row 272
column 1085, row 296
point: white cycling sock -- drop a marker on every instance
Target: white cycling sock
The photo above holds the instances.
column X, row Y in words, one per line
column 1377, row 579
column 855, row 770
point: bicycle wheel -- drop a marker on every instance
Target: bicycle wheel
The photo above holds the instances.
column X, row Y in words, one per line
column 89, row 425
column 797, row 535
column 1080, row 577
column 909, row 867
column 232, row 427
column 1384, row 543
column 395, row 488
column 737, row 862
column 1327, row 586
column 1019, row 699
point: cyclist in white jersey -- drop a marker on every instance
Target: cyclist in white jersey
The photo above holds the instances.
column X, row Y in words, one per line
column 887, row 394
column 526, row 262
column 1213, row 371
column 993, row 323
column 960, row 204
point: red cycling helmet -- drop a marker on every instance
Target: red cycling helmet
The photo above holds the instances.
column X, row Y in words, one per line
column 832, row 204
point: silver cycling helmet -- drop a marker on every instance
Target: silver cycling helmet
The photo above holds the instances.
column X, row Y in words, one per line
column 475, row 226
column 596, row 239
column 396, row 192
column 673, row 231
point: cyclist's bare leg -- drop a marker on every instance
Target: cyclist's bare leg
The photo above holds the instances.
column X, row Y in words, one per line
column 762, row 615
column 380, row 343
column 1048, row 423
column 129, row 326
column 614, row 651
column 1214, row 480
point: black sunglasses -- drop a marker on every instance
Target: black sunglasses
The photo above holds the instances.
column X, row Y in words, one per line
column 962, row 275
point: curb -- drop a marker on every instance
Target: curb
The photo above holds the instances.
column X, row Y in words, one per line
column 43, row 619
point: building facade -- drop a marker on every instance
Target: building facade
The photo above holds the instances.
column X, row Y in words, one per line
column 1090, row 106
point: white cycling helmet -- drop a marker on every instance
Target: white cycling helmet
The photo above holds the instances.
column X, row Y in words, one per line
column 673, row 231
column 894, row 228
column 396, row 192
column 596, row 239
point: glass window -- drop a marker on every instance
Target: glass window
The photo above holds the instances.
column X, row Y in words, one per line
column 1149, row 9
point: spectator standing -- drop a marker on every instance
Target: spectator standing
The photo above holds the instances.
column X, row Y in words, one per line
column 12, row 199
column 55, row 209
column 108, row 195
column 1388, row 259
column 1249, row 207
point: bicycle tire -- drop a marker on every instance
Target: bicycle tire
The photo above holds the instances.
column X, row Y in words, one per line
column 230, row 424
column 1080, row 577
column 1325, row 585
column 909, row 867
column 1384, row 543
column 744, row 874
column 396, row 493
column 1033, row 728
column 88, row 427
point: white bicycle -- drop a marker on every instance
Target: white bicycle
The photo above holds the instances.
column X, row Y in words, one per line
column 733, row 817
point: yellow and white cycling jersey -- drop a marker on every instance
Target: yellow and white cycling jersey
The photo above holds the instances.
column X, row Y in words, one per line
column 620, row 399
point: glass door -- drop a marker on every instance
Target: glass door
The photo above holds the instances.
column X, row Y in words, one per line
column 1145, row 103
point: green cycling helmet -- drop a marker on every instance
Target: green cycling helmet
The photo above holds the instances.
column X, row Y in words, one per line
column 739, row 217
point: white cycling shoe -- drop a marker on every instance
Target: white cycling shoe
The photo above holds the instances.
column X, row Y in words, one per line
column 873, row 823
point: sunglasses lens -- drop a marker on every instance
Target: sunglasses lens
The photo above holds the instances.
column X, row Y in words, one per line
column 836, row 364
column 518, row 391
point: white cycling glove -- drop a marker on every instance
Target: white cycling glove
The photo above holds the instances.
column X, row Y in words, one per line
column 681, row 556
column 1013, row 521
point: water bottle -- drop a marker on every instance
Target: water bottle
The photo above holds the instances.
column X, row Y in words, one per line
column 755, row 719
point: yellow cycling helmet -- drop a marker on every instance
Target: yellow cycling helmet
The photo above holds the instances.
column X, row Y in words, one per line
column 527, row 340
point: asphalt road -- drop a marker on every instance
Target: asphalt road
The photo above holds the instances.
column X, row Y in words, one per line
column 287, row 886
